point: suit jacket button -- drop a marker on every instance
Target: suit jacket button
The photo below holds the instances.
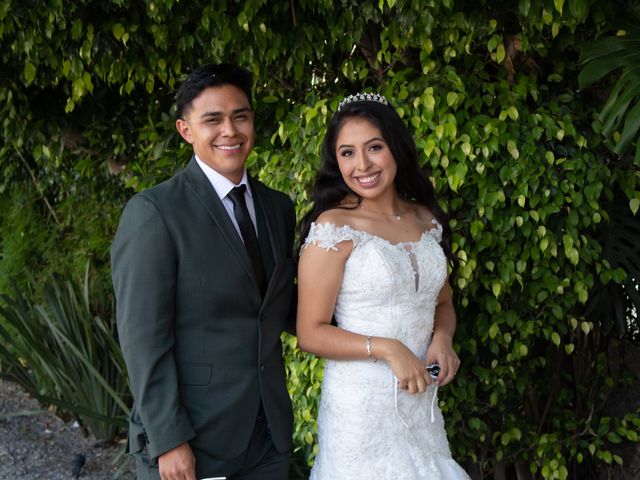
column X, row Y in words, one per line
column 261, row 368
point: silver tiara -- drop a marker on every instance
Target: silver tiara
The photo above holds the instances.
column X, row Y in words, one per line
column 363, row 97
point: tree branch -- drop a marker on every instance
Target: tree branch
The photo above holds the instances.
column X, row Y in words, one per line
column 39, row 188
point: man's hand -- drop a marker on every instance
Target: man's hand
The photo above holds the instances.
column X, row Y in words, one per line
column 178, row 464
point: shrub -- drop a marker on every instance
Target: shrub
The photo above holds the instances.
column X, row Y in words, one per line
column 63, row 352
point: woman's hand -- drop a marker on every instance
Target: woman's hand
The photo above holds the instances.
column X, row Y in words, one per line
column 441, row 352
column 407, row 368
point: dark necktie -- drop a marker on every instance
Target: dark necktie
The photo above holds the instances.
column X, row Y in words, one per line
column 248, row 232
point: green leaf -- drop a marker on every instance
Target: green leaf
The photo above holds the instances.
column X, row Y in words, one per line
column 579, row 9
column 621, row 96
column 493, row 331
column 310, row 114
column 630, row 132
column 550, row 157
column 117, row 30
column 544, row 243
column 523, row 7
column 500, row 53
column 586, row 327
column 598, row 68
column 613, row 437
column 558, row 4
column 29, row 72
column 634, row 204
column 493, row 42
column 430, row 102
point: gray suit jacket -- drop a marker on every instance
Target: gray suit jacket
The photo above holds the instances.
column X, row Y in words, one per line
column 202, row 346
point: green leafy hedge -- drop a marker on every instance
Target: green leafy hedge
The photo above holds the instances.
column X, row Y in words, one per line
column 490, row 91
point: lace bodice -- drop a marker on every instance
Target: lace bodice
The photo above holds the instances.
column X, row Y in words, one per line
column 384, row 283
column 367, row 427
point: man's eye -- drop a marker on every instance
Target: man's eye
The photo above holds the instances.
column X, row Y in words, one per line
column 241, row 117
column 213, row 121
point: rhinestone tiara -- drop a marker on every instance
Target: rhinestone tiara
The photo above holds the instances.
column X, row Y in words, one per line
column 363, row 97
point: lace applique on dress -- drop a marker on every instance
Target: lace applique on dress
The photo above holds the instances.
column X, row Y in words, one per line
column 436, row 232
column 328, row 235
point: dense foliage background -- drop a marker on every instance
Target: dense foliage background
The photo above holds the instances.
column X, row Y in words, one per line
column 542, row 190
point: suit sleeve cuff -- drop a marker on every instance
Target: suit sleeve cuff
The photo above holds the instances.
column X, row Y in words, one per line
column 171, row 437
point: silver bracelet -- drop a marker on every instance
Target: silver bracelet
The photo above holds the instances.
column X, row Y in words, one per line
column 369, row 349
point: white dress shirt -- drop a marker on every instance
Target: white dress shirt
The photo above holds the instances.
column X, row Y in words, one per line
column 222, row 186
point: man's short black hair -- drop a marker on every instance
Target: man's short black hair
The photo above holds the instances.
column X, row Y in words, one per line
column 211, row 75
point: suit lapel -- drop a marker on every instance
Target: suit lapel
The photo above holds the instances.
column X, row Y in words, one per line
column 201, row 187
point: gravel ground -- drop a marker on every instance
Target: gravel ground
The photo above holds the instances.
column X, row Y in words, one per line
column 35, row 444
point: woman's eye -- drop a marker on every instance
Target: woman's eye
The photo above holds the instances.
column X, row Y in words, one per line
column 376, row 147
column 346, row 153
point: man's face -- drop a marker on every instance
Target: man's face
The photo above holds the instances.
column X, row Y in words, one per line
column 219, row 126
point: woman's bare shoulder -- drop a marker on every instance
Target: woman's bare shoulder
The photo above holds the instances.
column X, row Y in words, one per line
column 423, row 214
column 336, row 216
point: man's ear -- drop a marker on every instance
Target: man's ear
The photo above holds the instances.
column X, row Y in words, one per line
column 184, row 130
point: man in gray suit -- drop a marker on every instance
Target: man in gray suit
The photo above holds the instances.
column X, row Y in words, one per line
column 203, row 273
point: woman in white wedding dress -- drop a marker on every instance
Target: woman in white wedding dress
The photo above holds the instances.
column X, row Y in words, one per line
column 374, row 260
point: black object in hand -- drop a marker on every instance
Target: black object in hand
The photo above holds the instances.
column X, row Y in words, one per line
column 434, row 370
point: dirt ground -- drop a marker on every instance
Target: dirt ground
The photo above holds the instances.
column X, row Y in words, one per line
column 35, row 444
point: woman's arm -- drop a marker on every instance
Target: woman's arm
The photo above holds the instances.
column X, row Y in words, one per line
column 444, row 327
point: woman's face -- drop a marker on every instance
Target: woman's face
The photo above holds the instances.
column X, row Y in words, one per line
column 364, row 158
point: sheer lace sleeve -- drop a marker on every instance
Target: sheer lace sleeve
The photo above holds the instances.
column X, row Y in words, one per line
column 328, row 235
column 436, row 232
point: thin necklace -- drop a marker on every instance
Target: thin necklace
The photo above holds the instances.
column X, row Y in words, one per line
column 393, row 215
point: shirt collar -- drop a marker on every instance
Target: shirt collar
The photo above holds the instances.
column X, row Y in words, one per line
column 221, row 184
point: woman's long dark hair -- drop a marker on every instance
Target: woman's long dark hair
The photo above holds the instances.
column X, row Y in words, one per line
column 411, row 183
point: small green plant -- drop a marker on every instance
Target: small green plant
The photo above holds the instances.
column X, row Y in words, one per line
column 62, row 350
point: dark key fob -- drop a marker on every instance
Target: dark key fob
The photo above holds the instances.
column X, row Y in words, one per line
column 434, row 370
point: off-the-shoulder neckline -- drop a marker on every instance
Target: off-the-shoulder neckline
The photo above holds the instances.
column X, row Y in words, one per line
column 428, row 231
